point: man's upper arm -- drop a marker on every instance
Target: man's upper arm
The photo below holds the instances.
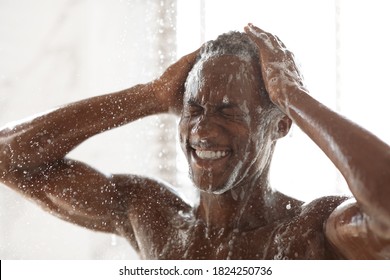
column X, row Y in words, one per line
column 348, row 230
column 74, row 192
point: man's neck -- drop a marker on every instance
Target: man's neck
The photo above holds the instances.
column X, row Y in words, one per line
column 243, row 207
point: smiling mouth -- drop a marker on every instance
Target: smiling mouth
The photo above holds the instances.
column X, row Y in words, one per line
column 211, row 155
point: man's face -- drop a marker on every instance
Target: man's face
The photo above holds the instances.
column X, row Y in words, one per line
column 223, row 131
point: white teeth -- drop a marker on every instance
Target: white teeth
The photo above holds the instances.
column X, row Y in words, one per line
column 210, row 154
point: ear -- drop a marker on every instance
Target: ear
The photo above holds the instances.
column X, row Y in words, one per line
column 282, row 127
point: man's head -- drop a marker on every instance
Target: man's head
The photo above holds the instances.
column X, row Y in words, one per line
column 228, row 125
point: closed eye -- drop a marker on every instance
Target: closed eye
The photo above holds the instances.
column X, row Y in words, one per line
column 192, row 109
column 232, row 111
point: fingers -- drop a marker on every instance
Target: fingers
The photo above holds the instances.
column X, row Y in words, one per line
column 191, row 57
column 186, row 62
column 276, row 60
column 182, row 65
column 263, row 38
column 280, row 42
column 255, row 29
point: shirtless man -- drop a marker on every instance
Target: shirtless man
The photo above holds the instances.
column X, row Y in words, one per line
column 241, row 93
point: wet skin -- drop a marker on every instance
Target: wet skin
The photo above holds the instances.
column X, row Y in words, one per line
column 223, row 123
column 239, row 215
column 227, row 133
column 246, row 221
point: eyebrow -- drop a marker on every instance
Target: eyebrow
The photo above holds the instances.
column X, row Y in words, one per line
column 194, row 102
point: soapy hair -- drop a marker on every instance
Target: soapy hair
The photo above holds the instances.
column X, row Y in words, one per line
column 238, row 44
column 231, row 43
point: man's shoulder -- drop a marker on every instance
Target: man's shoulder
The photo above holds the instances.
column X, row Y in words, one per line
column 141, row 190
column 301, row 235
column 323, row 205
column 314, row 214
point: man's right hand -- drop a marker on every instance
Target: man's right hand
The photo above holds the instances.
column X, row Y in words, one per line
column 169, row 87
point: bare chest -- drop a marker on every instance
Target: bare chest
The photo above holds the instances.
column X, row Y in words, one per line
column 290, row 240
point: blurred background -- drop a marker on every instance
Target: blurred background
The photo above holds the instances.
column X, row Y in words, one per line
column 56, row 52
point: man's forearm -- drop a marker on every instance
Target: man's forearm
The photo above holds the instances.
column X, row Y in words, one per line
column 362, row 158
column 50, row 137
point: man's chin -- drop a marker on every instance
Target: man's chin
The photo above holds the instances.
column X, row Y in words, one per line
column 212, row 183
column 212, row 188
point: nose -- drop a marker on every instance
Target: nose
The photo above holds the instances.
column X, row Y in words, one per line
column 205, row 129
